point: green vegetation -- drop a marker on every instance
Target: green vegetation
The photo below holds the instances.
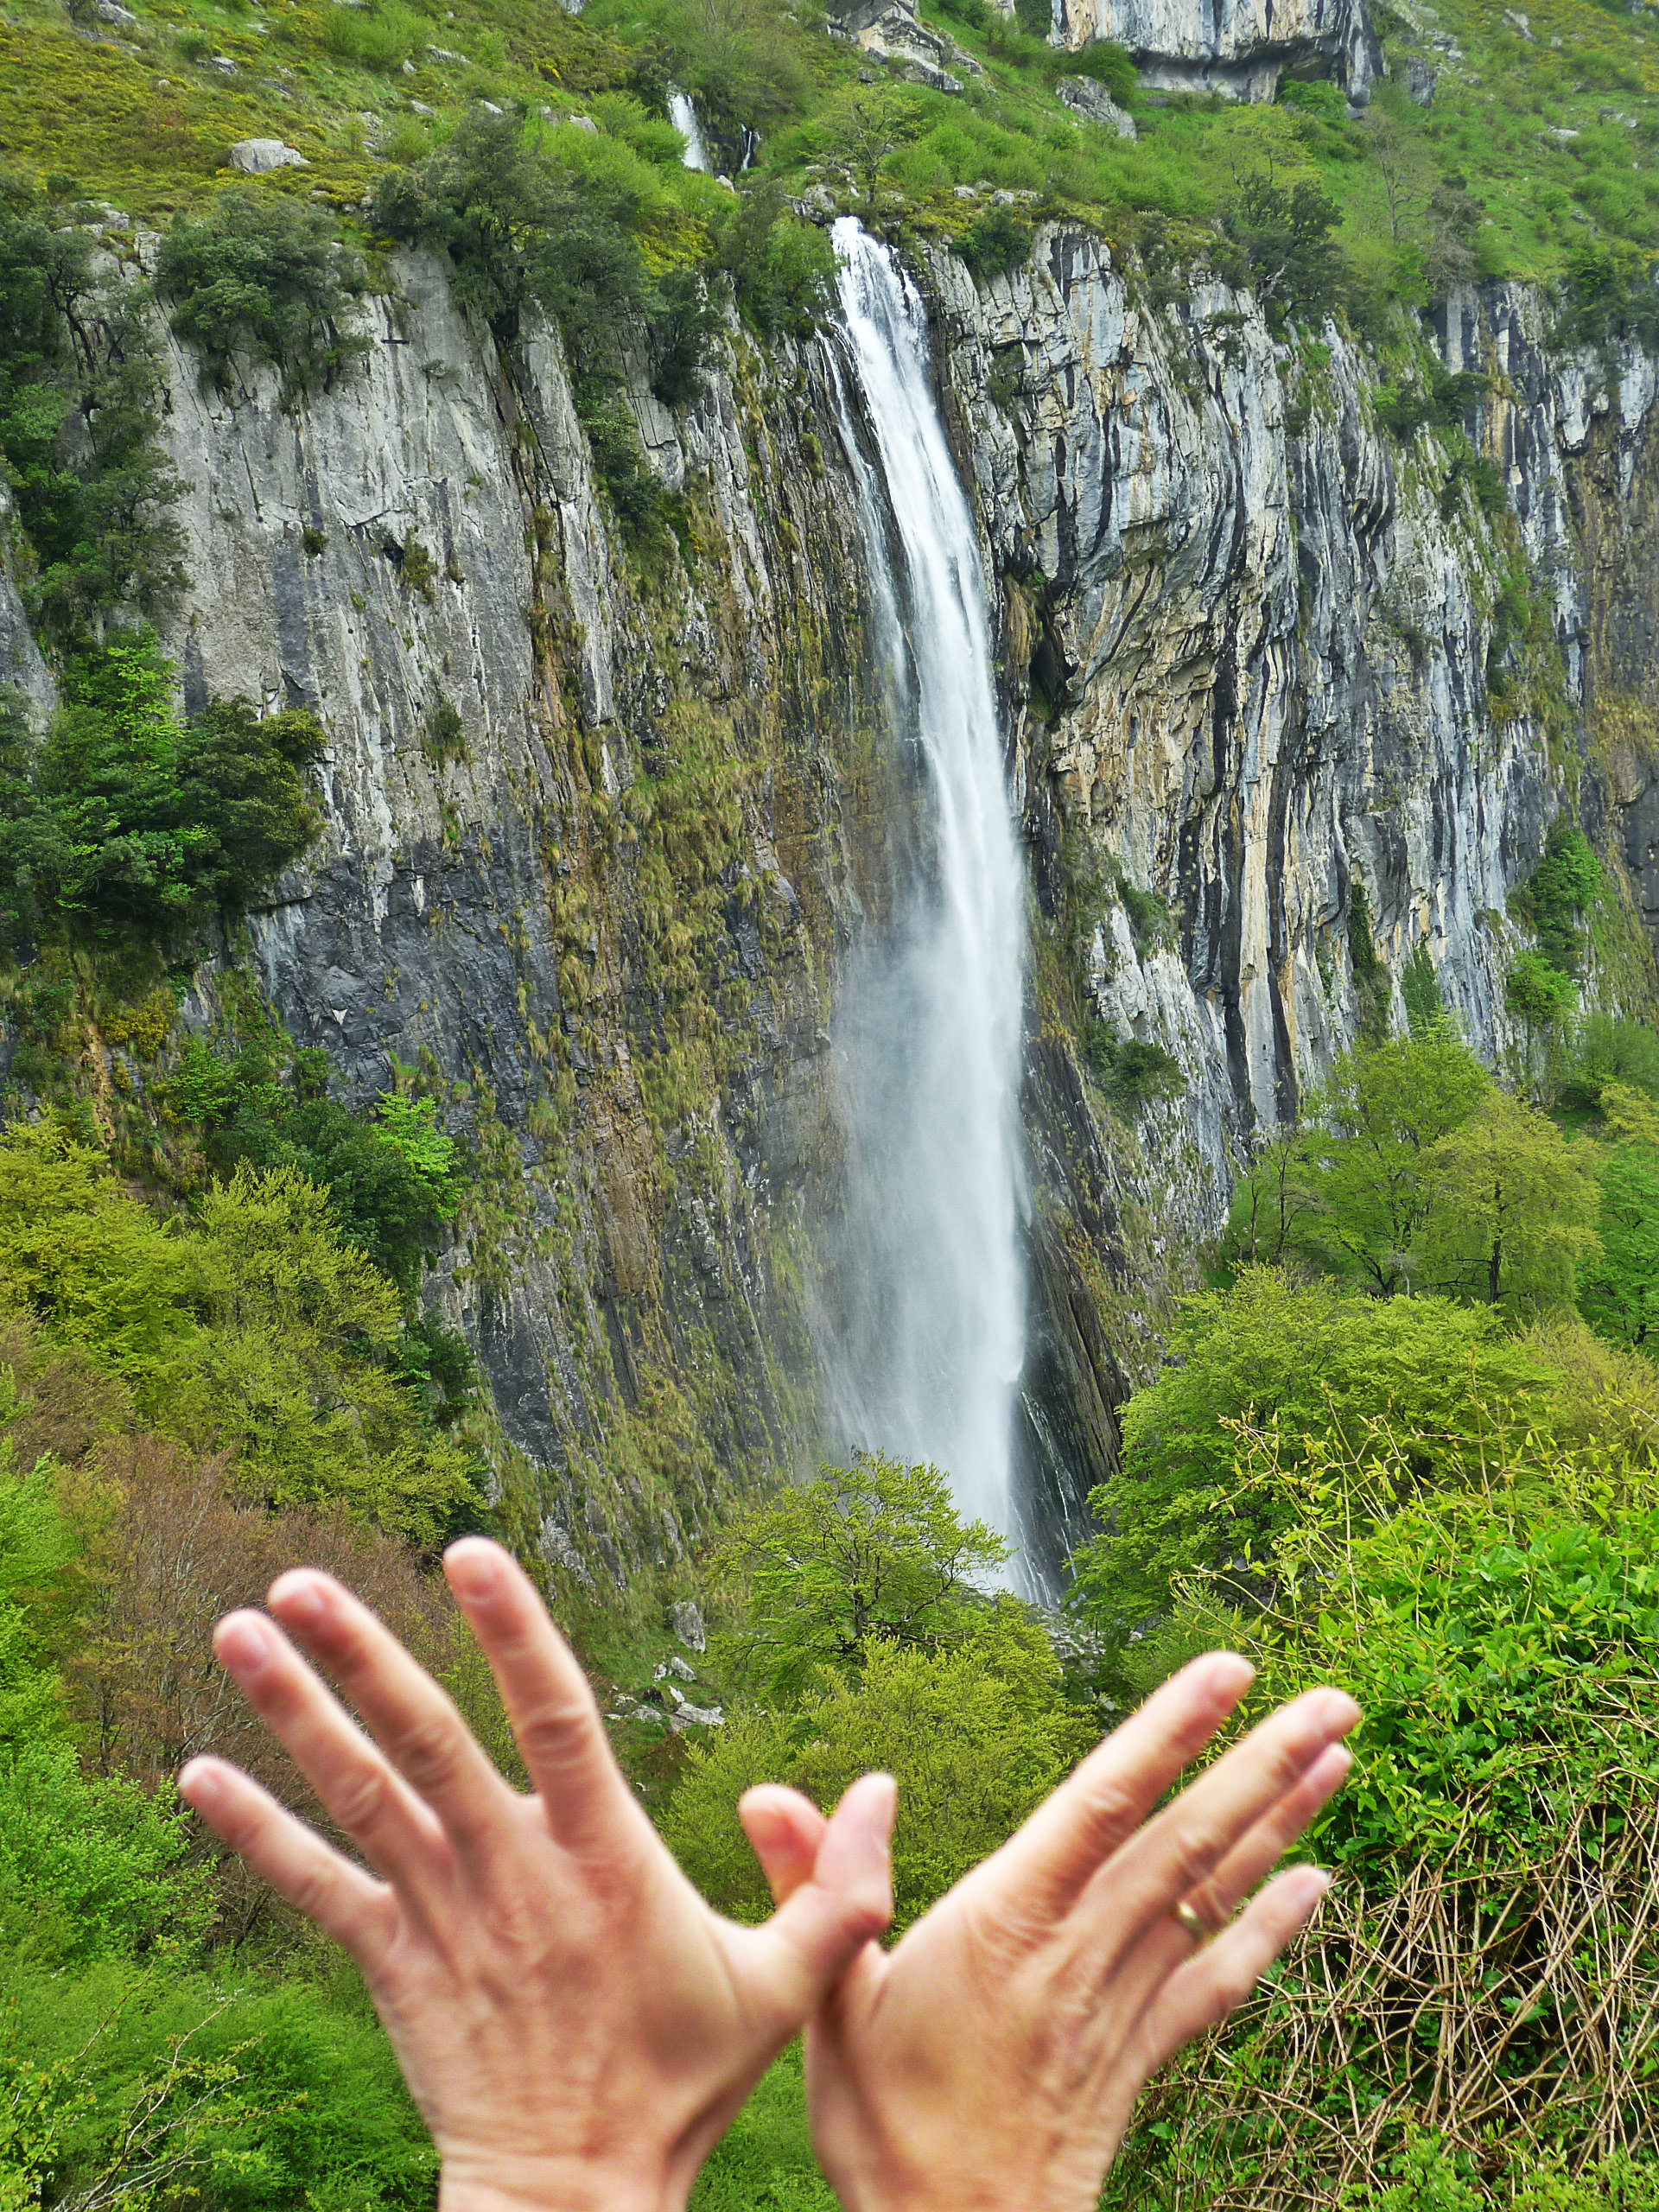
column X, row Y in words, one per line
column 126, row 824
column 864, row 1643
column 262, row 278
column 78, row 393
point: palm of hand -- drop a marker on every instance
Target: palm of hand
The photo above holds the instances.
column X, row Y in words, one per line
column 575, row 2024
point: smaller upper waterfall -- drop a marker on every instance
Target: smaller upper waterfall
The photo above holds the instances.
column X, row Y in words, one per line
column 928, row 1340
column 684, row 116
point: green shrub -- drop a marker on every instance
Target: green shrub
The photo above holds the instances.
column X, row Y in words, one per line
column 1606, row 1050
column 392, row 1182
column 1129, row 1071
column 262, row 276
column 77, row 424
column 1559, row 894
column 128, row 822
column 1420, row 992
column 994, row 244
column 382, row 37
column 1538, row 992
column 1282, row 248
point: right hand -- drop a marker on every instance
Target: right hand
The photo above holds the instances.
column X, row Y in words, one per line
column 992, row 2060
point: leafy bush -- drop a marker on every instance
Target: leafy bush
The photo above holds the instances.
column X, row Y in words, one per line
column 257, row 1332
column 127, row 822
column 1606, row 1050
column 1307, row 1363
column 783, row 270
column 1130, row 1070
column 524, row 228
column 392, row 1182
column 864, row 1636
column 1559, row 894
column 1618, row 1285
column 1538, row 991
column 262, row 276
column 994, row 244
column 1283, row 249
column 80, row 398
column 381, row 37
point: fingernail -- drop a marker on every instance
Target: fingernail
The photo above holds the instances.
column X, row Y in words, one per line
column 1227, row 1675
column 198, row 1784
column 884, row 1809
column 472, row 1568
column 1336, row 1711
column 298, row 1597
column 245, row 1644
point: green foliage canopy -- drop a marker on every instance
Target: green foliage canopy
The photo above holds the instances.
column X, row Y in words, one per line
column 126, row 822
column 262, row 276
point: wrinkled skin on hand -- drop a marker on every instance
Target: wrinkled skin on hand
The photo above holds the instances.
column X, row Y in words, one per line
column 989, row 2063
column 575, row 2024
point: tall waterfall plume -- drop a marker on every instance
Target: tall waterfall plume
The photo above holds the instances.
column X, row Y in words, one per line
column 928, row 1336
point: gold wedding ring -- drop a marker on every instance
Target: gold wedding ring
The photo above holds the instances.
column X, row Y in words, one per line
column 1194, row 1923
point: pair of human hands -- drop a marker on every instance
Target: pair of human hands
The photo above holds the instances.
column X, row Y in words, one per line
column 578, row 2027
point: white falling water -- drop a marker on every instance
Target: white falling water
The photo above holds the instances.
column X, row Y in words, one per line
column 931, row 1340
column 684, row 116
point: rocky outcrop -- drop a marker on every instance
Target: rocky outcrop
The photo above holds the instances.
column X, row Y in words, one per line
column 1239, row 48
column 1252, row 636
column 604, row 822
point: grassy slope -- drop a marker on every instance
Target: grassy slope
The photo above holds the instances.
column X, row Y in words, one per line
column 138, row 114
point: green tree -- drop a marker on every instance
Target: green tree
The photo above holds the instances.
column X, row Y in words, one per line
column 130, row 822
column 976, row 1735
column 1509, row 1207
column 263, row 276
column 1309, row 1363
column 1283, row 248
column 1618, row 1284
column 873, row 1549
column 1348, row 1191
column 80, row 391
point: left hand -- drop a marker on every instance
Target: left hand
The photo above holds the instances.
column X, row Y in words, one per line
column 576, row 2025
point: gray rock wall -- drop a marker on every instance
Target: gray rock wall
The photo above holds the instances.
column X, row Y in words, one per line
column 1245, row 638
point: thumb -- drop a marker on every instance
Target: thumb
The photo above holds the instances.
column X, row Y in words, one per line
column 784, row 1830
column 824, row 1923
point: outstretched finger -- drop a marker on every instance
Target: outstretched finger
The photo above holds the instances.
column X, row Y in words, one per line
column 1167, row 1948
column 566, row 1751
column 343, row 1901
column 399, row 1836
column 1223, row 1975
column 826, row 1921
column 1217, row 1899
column 409, row 1716
column 1175, row 1853
column 1071, row 1835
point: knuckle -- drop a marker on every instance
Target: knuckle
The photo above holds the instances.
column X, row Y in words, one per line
column 1194, row 1849
column 1107, row 1808
column 425, row 1749
column 555, row 1737
column 360, row 1800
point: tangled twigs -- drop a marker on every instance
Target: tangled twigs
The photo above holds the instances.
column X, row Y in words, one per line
column 1509, row 2000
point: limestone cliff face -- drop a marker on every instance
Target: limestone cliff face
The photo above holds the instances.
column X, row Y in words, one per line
column 1254, row 642
column 1239, row 48
column 603, row 823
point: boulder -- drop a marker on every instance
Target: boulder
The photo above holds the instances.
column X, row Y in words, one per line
column 688, row 1626
column 1096, row 104
column 259, row 157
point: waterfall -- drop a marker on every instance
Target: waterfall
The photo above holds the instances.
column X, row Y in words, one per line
column 928, row 1338
column 684, row 116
